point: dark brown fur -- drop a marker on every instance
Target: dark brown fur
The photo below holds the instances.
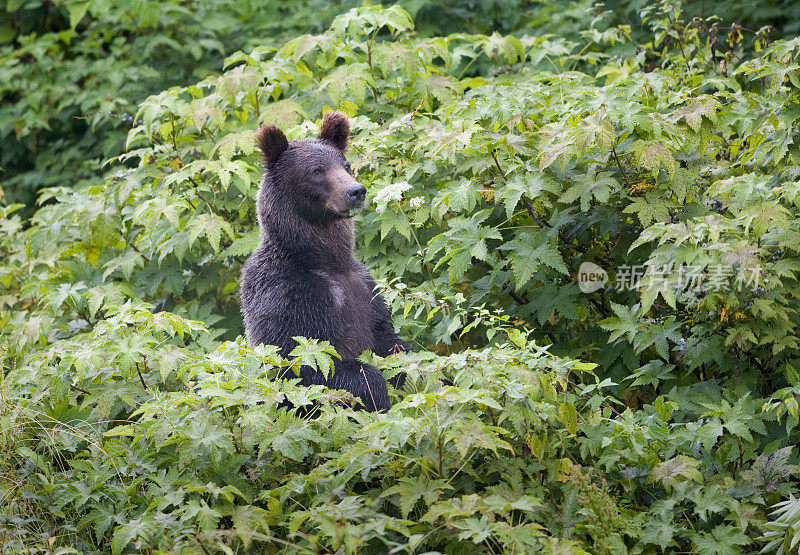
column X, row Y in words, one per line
column 303, row 280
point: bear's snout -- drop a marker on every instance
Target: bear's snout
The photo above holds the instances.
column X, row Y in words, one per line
column 346, row 194
column 357, row 193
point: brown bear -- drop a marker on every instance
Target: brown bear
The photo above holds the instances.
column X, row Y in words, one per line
column 302, row 279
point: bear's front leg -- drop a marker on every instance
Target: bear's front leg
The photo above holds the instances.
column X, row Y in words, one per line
column 364, row 381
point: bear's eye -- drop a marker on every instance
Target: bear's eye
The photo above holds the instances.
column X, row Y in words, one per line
column 348, row 167
column 317, row 171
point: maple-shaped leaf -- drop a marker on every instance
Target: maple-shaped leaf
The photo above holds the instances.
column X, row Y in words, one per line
column 625, row 322
column 249, row 522
column 282, row 114
column 654, row 155
column 127, row 262
column 509, row 47
column 763, row 217
column 709, row 501
column 724, row 539
column 529, row 251
column 594, row 130
column 676, row 469
column 694, row 111
column 225, row 170
column 163, row 206
column 659, row 335
column 203, row 112
column 232, row 143
column 123, row 535
column 413, row 489
column 598, row 186
column 464, row 197
column 469, row 435
column 555, row 143
column 393, row 55
column 368, row 19
column 528, row 184
column 441, row 88
column 455, row 508
column 659, row 531
column 397, row 221
column 206, row 517
column 550, row 298
column 243, row 78
column 244, row 245
column 292, row 438
column 66, row 291
column 348, row 82
column 316, row 354
column 652, row 373
column 650, row 208
column 298, row 48
column 211, row 226
column 131, row 350
column 107, row 294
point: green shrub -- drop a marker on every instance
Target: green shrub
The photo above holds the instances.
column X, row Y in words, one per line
column 537, row 416
column 73, row 71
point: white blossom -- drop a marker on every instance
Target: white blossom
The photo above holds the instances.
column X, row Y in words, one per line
column 393, row 191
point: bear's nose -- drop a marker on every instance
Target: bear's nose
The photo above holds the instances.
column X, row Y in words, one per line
column 356, row 193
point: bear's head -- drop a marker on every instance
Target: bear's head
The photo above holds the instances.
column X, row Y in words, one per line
column 312, row 174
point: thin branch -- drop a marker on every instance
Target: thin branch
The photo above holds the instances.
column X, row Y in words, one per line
column 535, row 215
column 680, row 42
column 141, row 377
column 497, row 163
column 187, row 199
column 211, row 206
column 514, row 295
column 134, row 247
column 528, row 204
column 76, row 388
column 734, row 26
column 600, row 307
column 619, row 165
column 202, row 546
column 441, row 456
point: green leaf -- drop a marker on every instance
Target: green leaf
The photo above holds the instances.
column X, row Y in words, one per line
column 673, row 470
column 569, row 417
column 529, row 251
column 598, row 187
column 76, row 12
column 649, row 208
column 248, row 522
column 244, row 245
column 414, row 489
column 126, row 533
column 316, row 354
column 349, row 83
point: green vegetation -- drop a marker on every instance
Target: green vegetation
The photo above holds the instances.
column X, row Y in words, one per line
column 134, row 417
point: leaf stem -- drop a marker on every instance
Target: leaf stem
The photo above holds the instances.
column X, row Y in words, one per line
column 144, row 384
column 441, row 456
column 619, row 165
column 211, row 206
column 76, row 388
column 134, row 247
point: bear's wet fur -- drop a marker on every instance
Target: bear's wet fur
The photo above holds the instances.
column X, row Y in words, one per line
column 302, row 279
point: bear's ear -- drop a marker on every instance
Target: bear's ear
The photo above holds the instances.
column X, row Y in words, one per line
column 272, row 142
column 335, row 129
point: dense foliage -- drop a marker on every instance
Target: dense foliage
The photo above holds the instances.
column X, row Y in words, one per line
column 648, row 415
column 73, row 71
